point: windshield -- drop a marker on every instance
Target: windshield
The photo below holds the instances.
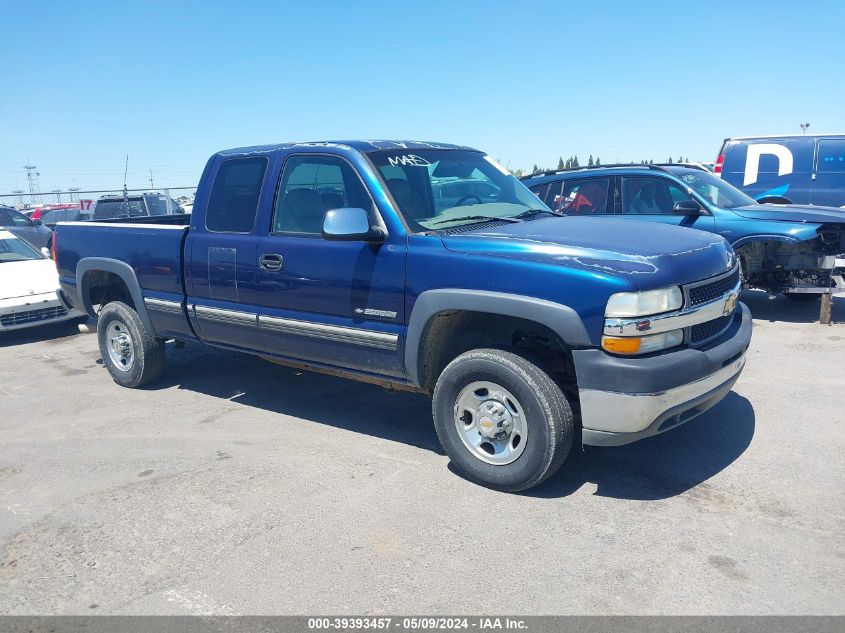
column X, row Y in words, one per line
column 14, row 250
column 713, row 188
column 442, row 189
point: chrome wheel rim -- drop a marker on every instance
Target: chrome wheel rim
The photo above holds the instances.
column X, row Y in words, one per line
column 491, row 422
column 119, row 345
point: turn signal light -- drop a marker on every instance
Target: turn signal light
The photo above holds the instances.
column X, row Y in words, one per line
column 619, row 345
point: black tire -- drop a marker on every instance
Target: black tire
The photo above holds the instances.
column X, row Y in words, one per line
column 802, row 297
column 147, row 350
column 547, row 414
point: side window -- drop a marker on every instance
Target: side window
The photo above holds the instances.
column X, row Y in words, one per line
column 312, row 185
column 18, row 219
column 5, row 220
column 583, row 197
column 540, row 190
column 831, row 156
column 233, row 203
column 646, row 195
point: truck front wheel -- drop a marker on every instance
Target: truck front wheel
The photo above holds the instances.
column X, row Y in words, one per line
column 501, row 419
column 133, row 356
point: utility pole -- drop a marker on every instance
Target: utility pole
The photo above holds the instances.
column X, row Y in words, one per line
column 73, row 194
column 152, row 184
column 32, row 178
column 58, row 193
column 19, row 194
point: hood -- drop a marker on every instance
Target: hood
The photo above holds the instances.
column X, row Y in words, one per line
column 791, row 213
column 31, row 277
column 649, row 254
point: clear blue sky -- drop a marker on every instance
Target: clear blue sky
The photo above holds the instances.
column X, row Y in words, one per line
column 85, row 83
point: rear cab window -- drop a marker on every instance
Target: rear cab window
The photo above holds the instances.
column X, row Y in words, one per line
column 233, row 203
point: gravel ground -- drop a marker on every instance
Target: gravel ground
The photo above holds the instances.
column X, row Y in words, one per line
column 236, row 486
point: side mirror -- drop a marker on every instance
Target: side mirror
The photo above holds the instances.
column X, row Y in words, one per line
column 35, row 222
column 351, row 225
column 687, row 207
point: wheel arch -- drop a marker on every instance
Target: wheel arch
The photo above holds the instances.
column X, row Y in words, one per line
column 425, row 335
column 88, row 272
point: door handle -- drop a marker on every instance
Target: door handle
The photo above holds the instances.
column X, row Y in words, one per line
column 271, row 261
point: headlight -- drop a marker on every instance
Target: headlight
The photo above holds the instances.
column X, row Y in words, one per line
column 642, row 344
column 635, row 304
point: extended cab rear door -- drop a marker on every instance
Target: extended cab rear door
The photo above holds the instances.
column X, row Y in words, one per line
column 221, row 254
column 324, row 302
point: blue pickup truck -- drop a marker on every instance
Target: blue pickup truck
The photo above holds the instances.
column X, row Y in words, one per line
column 425, row 267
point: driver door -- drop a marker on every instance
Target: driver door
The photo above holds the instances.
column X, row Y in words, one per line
column 651, row 198
column 329, row 302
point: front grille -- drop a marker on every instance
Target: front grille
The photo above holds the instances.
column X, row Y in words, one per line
column 712, row 291
column 32, row 316
column 703, row 331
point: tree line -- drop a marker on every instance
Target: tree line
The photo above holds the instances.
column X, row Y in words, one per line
column 573, row 163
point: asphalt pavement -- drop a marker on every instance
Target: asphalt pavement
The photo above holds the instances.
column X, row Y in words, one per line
column 234, row 486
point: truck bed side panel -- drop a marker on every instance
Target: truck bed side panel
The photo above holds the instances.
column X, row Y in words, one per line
column 154, row 254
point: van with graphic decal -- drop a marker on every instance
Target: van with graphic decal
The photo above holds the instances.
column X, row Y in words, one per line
column 429, row 268
column 786, row 169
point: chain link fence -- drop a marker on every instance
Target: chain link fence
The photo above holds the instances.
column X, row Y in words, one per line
column 183, row 196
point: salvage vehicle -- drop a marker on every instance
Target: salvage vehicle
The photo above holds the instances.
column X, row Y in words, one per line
column 135, row 205
column 527, row 329
column 796, row 250
column 29, row 287
column 31, row 231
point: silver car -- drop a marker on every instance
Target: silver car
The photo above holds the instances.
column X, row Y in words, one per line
column 31, row 231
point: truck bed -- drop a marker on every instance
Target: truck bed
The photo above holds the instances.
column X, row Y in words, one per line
column 151, row 247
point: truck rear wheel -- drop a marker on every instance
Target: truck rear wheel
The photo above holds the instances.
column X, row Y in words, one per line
column 133, row 356
column 502, row 420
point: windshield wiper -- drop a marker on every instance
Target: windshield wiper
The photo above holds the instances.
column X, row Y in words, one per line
column 478, row 217
column 532, row 212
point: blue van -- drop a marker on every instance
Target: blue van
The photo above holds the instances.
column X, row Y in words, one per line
column 786, row 169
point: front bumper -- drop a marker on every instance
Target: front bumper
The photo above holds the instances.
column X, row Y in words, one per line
column 23, row 312
column 626, row 399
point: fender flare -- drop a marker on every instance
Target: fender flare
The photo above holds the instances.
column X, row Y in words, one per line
column 559, row 318
column 122, row 270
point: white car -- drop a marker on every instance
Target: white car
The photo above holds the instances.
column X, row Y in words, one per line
column 29, row 286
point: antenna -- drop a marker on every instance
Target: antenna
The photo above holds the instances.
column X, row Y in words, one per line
column 125, row 171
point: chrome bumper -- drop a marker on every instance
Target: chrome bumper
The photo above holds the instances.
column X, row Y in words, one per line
column 625, row 400
column 642, row 415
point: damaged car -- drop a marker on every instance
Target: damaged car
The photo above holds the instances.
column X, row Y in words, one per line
column 797, row 250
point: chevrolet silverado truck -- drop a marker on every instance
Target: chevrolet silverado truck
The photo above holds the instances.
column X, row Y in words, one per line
column 425, row 267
